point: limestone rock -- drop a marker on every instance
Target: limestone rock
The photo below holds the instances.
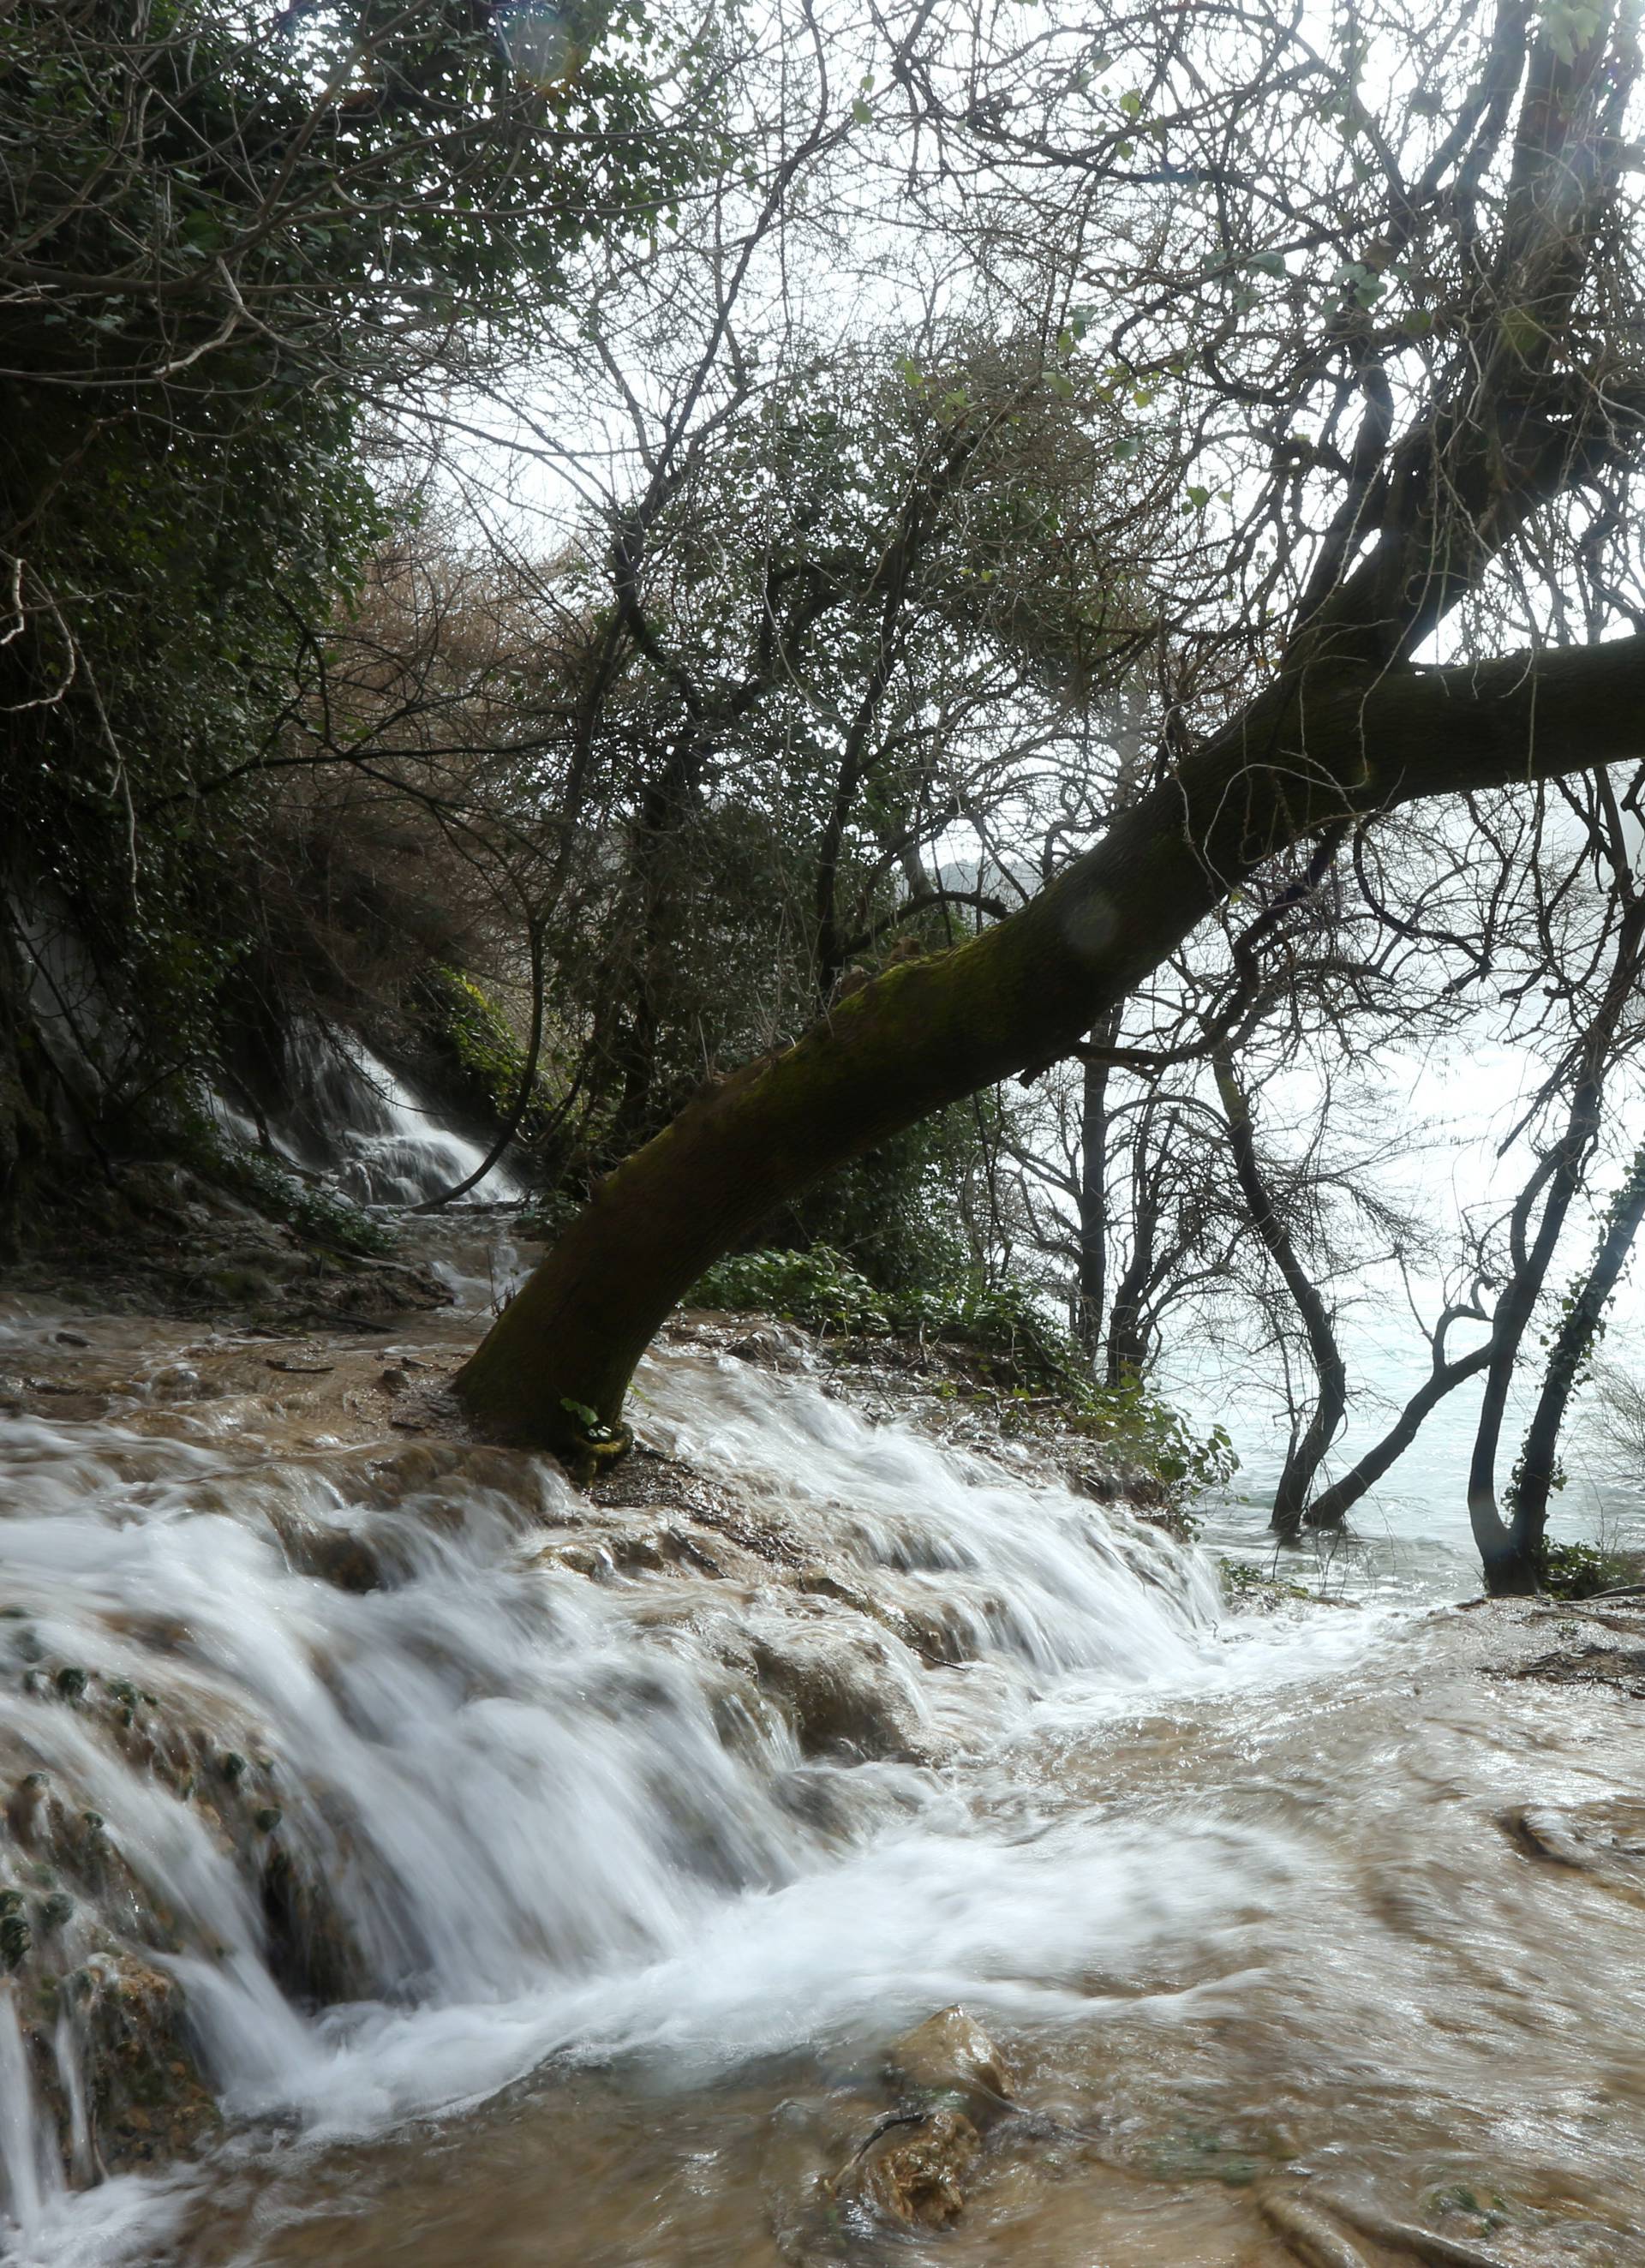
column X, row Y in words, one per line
column 839, row 1696
column 913, row 2172
column 951, row 2054
column 771, row 1344
column 1605, row 1839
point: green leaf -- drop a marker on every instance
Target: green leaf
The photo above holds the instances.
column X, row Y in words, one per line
column 1569, row 26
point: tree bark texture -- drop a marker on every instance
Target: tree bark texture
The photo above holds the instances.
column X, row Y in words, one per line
column 1512, row 1560
column 1572, row 1343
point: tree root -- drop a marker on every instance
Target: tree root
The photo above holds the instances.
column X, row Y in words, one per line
column 1316, row 2242
column 1409, row 2236
column 1310, row 2224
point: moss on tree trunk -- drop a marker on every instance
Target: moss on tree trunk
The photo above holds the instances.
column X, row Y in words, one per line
column 1322, row 747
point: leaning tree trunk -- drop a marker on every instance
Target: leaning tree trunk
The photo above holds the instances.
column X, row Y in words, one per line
column 1346, row 727
column 1019, row 997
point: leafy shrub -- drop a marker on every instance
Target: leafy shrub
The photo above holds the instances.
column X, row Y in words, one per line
column 1578, row 1571
column 319, row 1215
column 818, row 1288
column 895, row 1214
column 1243, row 1580
column 1136, row 1422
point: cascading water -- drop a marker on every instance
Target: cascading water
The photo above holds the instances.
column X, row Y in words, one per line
column 28, row 2157
column 368, row 1776
column 525, row 1766
column 369, row 1129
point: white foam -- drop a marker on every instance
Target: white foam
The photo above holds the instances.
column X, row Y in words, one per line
column 550, row 1819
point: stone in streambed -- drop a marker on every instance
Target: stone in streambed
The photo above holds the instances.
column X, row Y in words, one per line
column 1606, row 1838
column 913, row 2170
column 951, row 2054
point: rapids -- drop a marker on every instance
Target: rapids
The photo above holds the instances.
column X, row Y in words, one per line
column 534, row 1879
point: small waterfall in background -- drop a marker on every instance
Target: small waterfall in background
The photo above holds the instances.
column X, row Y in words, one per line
column 367, row 1128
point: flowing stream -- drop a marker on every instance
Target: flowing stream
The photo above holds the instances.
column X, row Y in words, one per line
column 523, row 1879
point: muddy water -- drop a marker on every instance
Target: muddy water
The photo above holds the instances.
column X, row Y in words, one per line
column 1275, row 1933
column 645, row 1829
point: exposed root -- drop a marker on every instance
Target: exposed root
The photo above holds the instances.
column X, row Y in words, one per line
column 1316, row 2241
column 1409, row 2236
column 1311, row 2225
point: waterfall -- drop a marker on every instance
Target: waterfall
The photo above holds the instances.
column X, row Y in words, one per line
column 403, row 1767
column 352, row 1117
column 28, row 2155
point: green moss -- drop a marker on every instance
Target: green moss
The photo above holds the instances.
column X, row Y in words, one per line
column 1242, row 1581
column 487, row 1049
column 320, row 1216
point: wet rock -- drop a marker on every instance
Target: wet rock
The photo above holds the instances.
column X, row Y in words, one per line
column 838, row 1695
column 1606, row 1838
column 15, row 1937
column 951, row 2054
column 913, row 2171
column 143, row 2089
column 310, row 1951
column 773, row 1345
column 27, row 1808
column 933, row 1628
column 337, row 1556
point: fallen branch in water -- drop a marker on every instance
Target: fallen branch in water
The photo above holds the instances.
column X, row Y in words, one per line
column 1426, row 2243
column 1316, row 2242
column 1309, row 2226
